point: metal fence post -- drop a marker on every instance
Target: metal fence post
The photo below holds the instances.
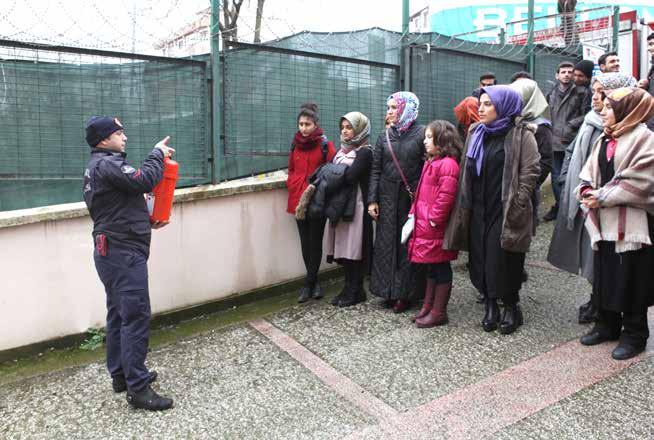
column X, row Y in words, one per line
column 404, row 67
column 216, row 101
column 530, row 39
column 616, row 28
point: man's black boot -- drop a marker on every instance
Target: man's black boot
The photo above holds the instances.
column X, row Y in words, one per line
column 149, row 399
column 551, row 214
column 119, row 385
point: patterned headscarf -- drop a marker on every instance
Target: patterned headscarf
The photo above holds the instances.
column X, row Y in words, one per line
column 508, row 105
column 614, row 80
column 407, row 109
column 534, row 103
column 631, row 106
column 361, row 125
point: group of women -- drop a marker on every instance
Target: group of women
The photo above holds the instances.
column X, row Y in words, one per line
column 481, row 198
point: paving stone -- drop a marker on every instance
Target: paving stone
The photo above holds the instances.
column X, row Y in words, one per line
column 617, row 408
column 231, row 384
column 406, row 366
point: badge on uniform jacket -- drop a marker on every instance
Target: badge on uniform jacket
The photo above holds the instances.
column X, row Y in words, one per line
column 127, row 169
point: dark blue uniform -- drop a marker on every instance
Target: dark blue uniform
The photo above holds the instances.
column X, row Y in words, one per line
column 113, row 192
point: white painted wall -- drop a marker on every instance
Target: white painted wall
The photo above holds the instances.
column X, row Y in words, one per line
column 212, row 249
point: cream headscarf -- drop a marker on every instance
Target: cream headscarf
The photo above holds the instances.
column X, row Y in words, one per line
column 361, row 125
column 534, row 103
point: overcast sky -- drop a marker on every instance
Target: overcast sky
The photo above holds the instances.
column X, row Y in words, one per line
column 139, row 24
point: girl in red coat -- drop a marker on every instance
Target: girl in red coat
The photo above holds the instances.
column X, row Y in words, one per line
column 309, row 150
column 431, row 211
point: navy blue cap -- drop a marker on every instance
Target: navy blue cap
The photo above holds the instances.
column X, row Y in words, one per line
column 101, row 127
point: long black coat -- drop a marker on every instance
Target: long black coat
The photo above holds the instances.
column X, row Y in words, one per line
column 392, row 276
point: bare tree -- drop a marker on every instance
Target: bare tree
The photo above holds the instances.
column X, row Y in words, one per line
column 568, row 24
column 257, row 24
column 228, row 26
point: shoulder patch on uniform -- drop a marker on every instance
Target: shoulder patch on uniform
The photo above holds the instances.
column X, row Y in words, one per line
column 127, row 169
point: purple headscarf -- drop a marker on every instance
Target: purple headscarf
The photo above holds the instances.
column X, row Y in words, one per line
column 508, row 105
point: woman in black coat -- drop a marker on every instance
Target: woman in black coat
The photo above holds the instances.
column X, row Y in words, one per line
column 389, row 201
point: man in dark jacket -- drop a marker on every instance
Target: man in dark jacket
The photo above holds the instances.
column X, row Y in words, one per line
column 648, row 83
column 569, row 104
column 113, row 191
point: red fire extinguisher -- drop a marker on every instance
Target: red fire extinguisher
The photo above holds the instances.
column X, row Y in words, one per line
column 160, row 200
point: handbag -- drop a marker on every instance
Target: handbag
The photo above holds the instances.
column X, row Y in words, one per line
column 399, row 169
column 407, row 229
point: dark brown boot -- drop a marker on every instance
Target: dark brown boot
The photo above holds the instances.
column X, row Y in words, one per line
column 428, row 302
column 438, row 313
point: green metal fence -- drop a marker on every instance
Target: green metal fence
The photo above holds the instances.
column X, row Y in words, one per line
column 47, row 93
column 265, row 86
column 445, row 70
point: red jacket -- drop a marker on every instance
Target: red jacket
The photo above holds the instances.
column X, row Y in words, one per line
column 434, row 200
column 301, row 164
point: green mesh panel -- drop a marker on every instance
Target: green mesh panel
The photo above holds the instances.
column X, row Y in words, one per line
column 263, row 91
column 46, row 97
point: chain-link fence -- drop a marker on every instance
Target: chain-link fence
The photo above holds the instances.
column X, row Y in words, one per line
column 47, row 93
column 265, row 86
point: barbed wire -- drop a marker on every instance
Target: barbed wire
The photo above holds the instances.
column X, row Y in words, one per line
column 150, row 26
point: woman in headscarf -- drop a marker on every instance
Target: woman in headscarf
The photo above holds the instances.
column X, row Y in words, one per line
column 349, row 242
column 389, row 201
column 493, row 215
column 617, row 189
column 570, row 248
column 535, row 110
column 466, row 113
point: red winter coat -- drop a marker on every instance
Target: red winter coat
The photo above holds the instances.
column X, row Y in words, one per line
column 434, row 200
column 301, row 164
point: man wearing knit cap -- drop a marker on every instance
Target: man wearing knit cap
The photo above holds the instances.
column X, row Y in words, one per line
column 113, row 192
column 584, row 73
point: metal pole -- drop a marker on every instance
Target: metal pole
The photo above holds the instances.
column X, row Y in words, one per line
column 616, row 28
column 404, row 67
column 530, row 38
column 216, row 101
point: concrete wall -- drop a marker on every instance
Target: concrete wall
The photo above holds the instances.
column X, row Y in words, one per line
column 222, row 240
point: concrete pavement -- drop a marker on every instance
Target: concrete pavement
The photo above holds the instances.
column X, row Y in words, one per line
column 318, row 372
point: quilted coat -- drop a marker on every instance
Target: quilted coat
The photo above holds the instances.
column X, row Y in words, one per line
column 431, row 210
column 392, row 275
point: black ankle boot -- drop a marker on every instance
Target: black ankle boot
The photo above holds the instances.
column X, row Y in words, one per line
column 305, row 294
column 317, row 291
column 120, row 385
column 346, row 287
column 588, row 313
column 149, row 399
column 511, row 319
column 492, row 316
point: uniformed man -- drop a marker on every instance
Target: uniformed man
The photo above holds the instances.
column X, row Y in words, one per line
column 114, row 193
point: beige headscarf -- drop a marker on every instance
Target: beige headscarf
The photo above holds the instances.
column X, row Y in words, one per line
column 534, row 102
column 361, row 125
column 631, row 106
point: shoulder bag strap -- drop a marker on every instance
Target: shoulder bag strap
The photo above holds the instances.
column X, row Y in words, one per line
column 397, row 165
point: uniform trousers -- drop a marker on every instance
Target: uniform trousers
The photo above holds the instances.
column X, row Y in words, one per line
column 124, row 273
